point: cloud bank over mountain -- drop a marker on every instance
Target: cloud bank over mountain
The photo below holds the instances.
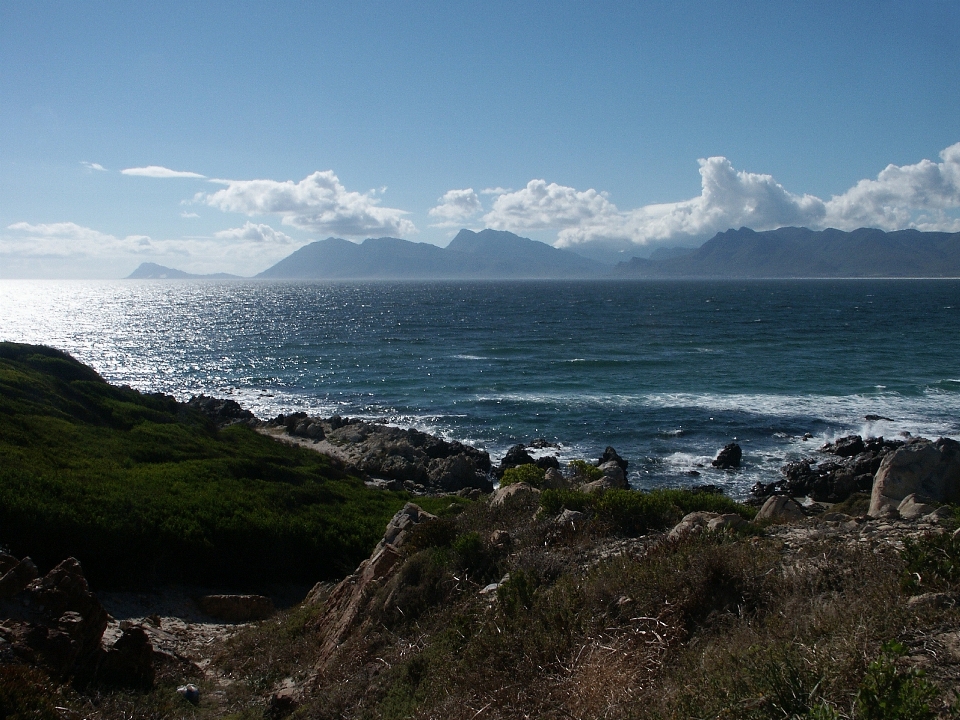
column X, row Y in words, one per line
column 318, row 203
column 924, row 196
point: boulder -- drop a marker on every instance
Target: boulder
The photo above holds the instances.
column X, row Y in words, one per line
column 724, row 522
column 912, row 507
column 400, row 525
column 729, row 457
column 511, row 493
column 571, row 518
column 692, row 524
column 129, row 661
column 222, row 412
column 516, row 456
column 921, row 467
column 500, row 539
column 845, row 447
column 611, row 455
column 237, row 608
column 613, row 473
column 17, row 578
column 781, row 509
column 553, row 479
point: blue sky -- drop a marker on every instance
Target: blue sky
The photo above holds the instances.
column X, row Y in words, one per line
column 250, row 129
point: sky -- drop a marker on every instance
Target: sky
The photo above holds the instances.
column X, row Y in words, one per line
column 222, row 136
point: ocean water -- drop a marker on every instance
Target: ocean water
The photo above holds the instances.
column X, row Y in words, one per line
column 666, row 372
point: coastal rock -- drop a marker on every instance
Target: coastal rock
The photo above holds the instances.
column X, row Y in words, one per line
column 512, row 493
column 571, row 518
column 912, row 507
column 835, row 479
column 56, row 622
column 515, row 456
column 921, row 467
column 611, row 455
column 724, row 522
column 222, row 412
column 729, row 457
column 691, row 524
column 385, row 454
column 17, row 577
column 129, row 662
column 553, row 479
column 400, row 525
column 237, row 608
column 614, row 475
column 781, row 509
column 343, row 606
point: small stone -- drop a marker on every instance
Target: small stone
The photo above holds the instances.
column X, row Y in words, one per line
column 190, row 693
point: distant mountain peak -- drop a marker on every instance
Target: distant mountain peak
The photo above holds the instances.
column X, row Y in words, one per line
column 153, row 271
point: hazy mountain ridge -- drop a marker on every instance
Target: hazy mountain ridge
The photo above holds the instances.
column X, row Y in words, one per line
column 792, row 252
column 470, row 255
column 152, row 271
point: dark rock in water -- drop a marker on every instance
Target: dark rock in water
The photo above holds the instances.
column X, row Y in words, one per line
column 834, row 480
column 516, row 456
column 611, row 454
column 875, row 418
column 547, row 462
column 543, row 444
column 729, row 457
column 845, row 447
column 222, row 412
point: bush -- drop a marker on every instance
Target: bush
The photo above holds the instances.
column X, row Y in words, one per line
column 584, row 471
column 633, row 512
column 530, row 474
column 888, row 693
column 932, row 562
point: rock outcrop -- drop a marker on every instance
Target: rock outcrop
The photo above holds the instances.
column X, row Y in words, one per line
column 729, row 457
column 850, row 468
column 929, row 470
column 344, row 605
column 222, row 412
column 407, row 459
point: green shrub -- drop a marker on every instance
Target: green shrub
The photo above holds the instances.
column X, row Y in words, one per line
column 530, row 474
column 888, row 693
column 584, row 471
column 26, row 693
column 932, row 562
column 632, row 512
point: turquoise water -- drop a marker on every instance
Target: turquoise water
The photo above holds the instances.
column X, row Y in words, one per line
column 666, row 372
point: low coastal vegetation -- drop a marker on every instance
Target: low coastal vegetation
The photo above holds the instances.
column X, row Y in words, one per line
column 142, row 489
column 562, row 595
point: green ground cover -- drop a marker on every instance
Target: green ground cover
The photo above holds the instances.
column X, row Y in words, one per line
column 141, row 489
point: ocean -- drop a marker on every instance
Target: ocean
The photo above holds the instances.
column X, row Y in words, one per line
column 666, row 372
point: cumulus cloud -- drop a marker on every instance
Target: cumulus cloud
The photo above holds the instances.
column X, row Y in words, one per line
column 156, row 171
column 903, row 196
column 252, row 232
column 925, row 196
column 93, row 166
column 318, row 203
column 456, row 206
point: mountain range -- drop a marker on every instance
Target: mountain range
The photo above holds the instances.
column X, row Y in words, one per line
column 792, row 252
column 470, row 255
column 152, row 271
column 788, row 252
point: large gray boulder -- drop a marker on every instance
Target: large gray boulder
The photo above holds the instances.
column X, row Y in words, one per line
column 781, row 509
column 929, row 470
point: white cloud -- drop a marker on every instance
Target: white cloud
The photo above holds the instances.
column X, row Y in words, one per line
column 455, row 207
column 903, row 196
column 252, row 232
column 318, row 203
column 540, row 206
column 925, row 196
column 495, row 191
column 67, row 239
column 189, row 215
column 93, row 166
column 156, row 171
